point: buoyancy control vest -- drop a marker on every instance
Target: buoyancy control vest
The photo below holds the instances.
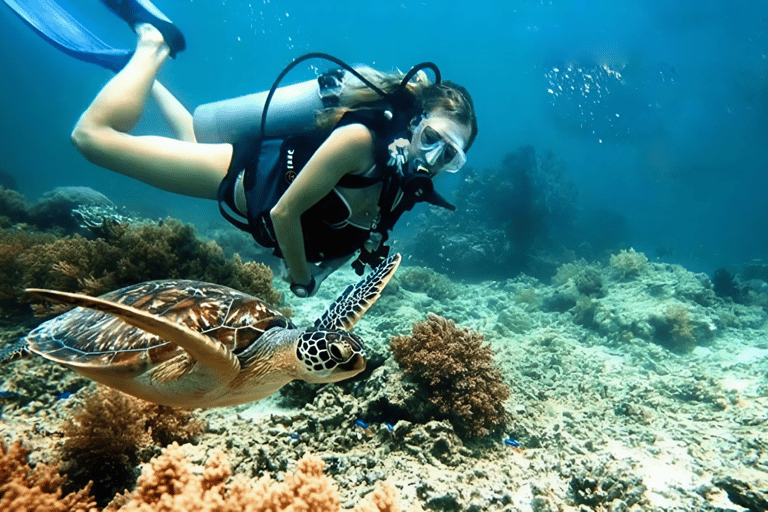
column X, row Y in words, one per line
column 268, row 165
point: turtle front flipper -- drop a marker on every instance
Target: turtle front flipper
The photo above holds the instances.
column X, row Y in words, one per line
column 344, row 313
column 204, row 350
column 14, row 350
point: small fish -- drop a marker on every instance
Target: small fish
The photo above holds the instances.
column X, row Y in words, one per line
column 511, row 442
column 361, row 424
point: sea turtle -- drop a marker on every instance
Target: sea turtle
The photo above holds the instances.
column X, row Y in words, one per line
column 194, row 344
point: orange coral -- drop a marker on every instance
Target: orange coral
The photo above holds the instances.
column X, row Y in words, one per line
column 459, row 371
column 23, row 489
column 169, row 484
column 384, row 498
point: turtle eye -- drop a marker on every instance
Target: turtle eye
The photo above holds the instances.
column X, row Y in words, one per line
column 340, row 352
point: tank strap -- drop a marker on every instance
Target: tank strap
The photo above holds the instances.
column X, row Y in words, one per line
column 241, row 158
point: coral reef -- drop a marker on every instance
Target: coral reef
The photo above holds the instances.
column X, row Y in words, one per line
column 13, row 244
column 603, row 416
column 111, row 432
column 628, row 264
column 459, row 372
column 56, row 208
column 13, row 207
column 170, row 482
column 724, row 285
column 509, row 220
column 128, row 254
column 23, row 489
column 586, row 278
column 427, row 281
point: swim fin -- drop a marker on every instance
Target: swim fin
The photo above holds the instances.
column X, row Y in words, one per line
column 143, row 11
column 62, row 29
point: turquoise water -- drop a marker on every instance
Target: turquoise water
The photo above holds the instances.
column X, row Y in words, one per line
column 660, row 122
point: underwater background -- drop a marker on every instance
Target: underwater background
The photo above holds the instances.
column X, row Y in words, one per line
column 657, row 110
column 599, row 298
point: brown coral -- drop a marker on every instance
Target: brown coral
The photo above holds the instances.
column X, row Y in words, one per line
column 23, row 489
column 128, row 254
column 112, row 432
column 459, row 372
column 13, row 206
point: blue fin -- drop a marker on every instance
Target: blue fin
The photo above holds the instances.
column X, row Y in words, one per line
column 60, row 28
column 143, row 11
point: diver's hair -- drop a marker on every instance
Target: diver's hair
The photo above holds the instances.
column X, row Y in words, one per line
column 448, row 96
column 455, row 101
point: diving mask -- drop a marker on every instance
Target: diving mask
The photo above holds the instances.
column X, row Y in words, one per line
column 439, row 151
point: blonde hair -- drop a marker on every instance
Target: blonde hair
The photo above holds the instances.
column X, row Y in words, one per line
column 452, row 98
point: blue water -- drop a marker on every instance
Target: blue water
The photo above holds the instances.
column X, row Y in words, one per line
column 662, row 120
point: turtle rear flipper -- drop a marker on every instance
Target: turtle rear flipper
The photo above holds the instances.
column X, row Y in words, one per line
column 204, row 350
column 345, row 311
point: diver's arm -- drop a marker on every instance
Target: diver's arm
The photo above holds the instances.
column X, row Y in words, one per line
column 348, row 149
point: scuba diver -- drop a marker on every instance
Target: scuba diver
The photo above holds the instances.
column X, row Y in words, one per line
column 316, row 171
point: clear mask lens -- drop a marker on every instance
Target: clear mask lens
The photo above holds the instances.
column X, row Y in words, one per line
column 439, row 152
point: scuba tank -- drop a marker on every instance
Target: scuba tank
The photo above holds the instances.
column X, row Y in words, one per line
column 288, row 110
column 292, row 112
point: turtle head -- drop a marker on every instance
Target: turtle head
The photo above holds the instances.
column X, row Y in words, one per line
column 329, row 356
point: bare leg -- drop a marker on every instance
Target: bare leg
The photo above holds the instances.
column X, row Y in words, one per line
column 175, row 114
column 101, row 134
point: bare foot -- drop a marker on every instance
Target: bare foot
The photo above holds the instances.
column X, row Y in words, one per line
column 150, row 38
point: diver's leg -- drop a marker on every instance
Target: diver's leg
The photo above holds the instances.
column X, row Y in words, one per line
column 175, row 114
column 100, row 134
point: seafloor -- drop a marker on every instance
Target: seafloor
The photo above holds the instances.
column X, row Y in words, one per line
column 633, row 387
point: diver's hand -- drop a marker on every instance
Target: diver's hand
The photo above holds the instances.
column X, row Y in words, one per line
column 305, row 290
column 398, row 152
column 319, row 273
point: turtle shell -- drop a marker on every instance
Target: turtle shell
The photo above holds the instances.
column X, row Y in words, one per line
column 95, row 340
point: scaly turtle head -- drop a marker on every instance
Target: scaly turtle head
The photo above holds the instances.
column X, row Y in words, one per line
column 329, row 356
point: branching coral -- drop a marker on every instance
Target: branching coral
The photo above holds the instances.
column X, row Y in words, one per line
column 23, row 489
column 112, row 432
column 169, row 483
column 459, row 371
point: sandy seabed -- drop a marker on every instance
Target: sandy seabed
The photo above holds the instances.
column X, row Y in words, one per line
column 631, row 389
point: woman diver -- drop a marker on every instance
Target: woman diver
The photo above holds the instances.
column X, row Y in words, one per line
column 315, row 171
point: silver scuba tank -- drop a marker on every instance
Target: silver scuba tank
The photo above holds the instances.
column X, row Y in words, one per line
column 291, row 111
